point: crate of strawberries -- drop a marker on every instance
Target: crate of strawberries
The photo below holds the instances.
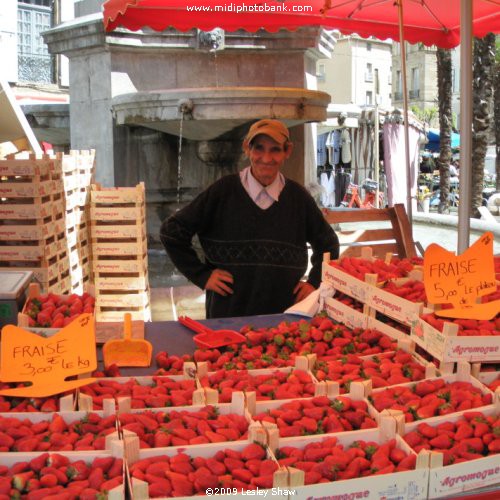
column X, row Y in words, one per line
column 48, row 313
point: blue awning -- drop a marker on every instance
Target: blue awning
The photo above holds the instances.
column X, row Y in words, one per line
column 433, row 137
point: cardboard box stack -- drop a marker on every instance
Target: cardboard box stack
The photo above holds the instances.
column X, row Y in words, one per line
column 32, row 225
column 77, row 173
column 119, row 253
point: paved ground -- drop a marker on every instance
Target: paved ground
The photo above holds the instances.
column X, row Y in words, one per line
column 172, row 295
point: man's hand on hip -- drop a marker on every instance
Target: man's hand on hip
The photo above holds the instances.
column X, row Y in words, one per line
column 218, row 282
column 302, row 290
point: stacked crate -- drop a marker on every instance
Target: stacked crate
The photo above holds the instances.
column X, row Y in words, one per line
column 119, row 253
column 77, row 170
column 32, row 226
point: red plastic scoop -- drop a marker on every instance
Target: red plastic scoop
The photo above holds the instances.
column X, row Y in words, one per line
column 211, row 339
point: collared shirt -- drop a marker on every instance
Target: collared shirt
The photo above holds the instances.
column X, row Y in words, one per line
column 263, row 196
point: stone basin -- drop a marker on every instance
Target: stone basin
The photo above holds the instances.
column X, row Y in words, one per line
column 212, row 112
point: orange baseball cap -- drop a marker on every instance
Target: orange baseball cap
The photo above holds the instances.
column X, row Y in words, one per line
column 275, row 129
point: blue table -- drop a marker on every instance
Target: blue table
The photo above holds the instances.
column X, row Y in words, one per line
column 176, row 339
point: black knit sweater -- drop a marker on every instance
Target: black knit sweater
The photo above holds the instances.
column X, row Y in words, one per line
column 264, row 250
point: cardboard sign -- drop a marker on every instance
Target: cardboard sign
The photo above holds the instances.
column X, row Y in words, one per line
column 460, row 280
column 47, row 362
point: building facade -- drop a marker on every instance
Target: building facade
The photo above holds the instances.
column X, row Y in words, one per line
column 359, row 72
column 26, row 61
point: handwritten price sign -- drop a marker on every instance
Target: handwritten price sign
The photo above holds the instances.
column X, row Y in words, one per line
column 47, row 362
column 460, row 280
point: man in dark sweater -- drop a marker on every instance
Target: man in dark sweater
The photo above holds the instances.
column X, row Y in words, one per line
column 254, row 228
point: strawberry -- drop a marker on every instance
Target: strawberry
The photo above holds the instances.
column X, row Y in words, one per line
column 494, row 446
column 48, row 480
column 181, row 486
column 20, row 479
column 441, row 442
column 5, row 485
column 96, row 478
column 88, row 494
column 464, row 431
column 111, row 483
column 252, row 451
column 116, row 468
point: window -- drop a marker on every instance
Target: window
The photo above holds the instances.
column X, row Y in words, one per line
column 34, row 60
column 369, row 73
column 369, row 98
column 455, row 80
column 369, row 46
column 321, row 73
column 415, row 79
column 399, row 82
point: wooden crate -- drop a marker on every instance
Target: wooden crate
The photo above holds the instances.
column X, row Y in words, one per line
column 31, row 208
column 447, row 346
column 120, row 248
column 115, row 299
column 118, row 213
column 32, row 230
column 408, row 484
column 116, row 316
column 28, row 187
column 41, row 250
column 100, row 231
column 85, row 159
column 344, row 282
column 133, row 264
column 42, row 274
column 112, row 282
column 117, row 195
column 26, row 167
column 35, row 290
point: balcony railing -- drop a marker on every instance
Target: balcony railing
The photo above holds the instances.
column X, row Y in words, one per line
column 414, row 94
column 35, row 68
column 398, row 96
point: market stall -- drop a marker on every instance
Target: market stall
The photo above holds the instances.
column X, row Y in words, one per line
column 371, row 380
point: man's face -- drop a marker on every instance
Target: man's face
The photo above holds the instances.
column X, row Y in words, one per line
column 266, row 158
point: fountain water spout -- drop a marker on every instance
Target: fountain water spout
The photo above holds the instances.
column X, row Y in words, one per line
column 185, row 107
column 211, row 40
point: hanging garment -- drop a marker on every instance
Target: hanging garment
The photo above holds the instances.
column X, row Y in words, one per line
column 331, row 191
column 345, row 144
column 323, row 180
column 327, row 182
column 342, row 180
column 321, row 154
column 333, row 144
column 395, row 162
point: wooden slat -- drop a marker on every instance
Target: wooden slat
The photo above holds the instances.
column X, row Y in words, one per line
column 378, row 250
column 356, row 215
column 400, row 231
column 405, row 231
column 366, row 235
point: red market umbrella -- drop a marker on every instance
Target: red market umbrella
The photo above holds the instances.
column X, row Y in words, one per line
column 445, row 23
column 433, row 22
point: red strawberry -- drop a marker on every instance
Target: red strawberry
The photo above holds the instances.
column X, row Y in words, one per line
column 181, row 486
column 96, row 478
column 253, row 451
column 441, row 442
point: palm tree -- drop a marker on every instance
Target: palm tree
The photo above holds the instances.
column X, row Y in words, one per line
column 484, row 59
column 444, row 75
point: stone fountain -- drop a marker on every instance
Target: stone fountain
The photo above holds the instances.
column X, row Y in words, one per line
column 132, row 92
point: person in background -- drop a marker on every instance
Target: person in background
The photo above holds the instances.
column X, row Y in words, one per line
column 427, row 165
column 454, row 169
column 254, row 227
